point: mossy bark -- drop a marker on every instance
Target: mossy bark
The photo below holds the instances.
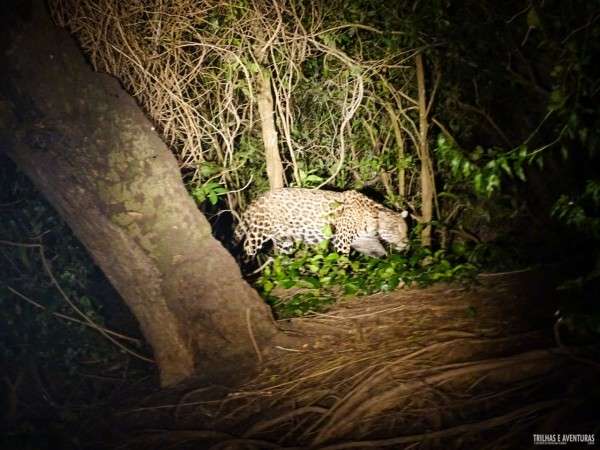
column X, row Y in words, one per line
column 90, row 150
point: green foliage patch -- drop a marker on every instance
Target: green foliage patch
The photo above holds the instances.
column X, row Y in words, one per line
column 208, row 191
column 484, row 168
column 311, row 278
column 581, row 211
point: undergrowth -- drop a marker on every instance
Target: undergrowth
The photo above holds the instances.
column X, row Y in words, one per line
column 57, row 367
column 310, row 279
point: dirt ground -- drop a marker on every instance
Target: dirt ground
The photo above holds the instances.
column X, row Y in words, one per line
column 449, row 366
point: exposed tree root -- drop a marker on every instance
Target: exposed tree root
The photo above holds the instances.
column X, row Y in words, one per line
column 453, row 431
column 443, row 367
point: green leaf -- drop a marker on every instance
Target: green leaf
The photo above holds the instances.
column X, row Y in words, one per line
column 504, row 164
column 313, row 282
column 478, row 181
column 332, row 257
column 467, row 168
column 253, row 67
column 540, row 162
column 493, row 182
column 522, row 152
column 286, row 284
column 267, row 286
column 323, row 245
column 208, row 169
column 313, row 179
column 350, row 288
column 491, row 164
column 533, row 20
column 520, row 173
column 212, row 196
column 313, row 268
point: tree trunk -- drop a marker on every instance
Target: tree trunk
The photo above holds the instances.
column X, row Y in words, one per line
column 395, row 121
column 427, row 187
column 90, row 150
column 266, row 112
column 264, row 99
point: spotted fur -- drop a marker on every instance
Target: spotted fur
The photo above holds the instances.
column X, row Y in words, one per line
column 287, row 215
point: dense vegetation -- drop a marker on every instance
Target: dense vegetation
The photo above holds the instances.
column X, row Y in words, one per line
column 310, row 280
column 511, row 134
column 61, row 356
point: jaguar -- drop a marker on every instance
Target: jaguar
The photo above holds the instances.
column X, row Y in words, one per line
column 349, row 219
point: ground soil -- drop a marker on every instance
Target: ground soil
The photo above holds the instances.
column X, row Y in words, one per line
column 450, row 366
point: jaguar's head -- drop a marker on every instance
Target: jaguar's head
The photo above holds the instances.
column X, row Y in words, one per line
column 393, row 228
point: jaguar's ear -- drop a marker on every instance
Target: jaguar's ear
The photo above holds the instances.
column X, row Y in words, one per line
column 404, row 214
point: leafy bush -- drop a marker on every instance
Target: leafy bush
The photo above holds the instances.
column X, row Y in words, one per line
column 582, row 212
column 485, row 169
column 208, row 191
column 310, row 279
